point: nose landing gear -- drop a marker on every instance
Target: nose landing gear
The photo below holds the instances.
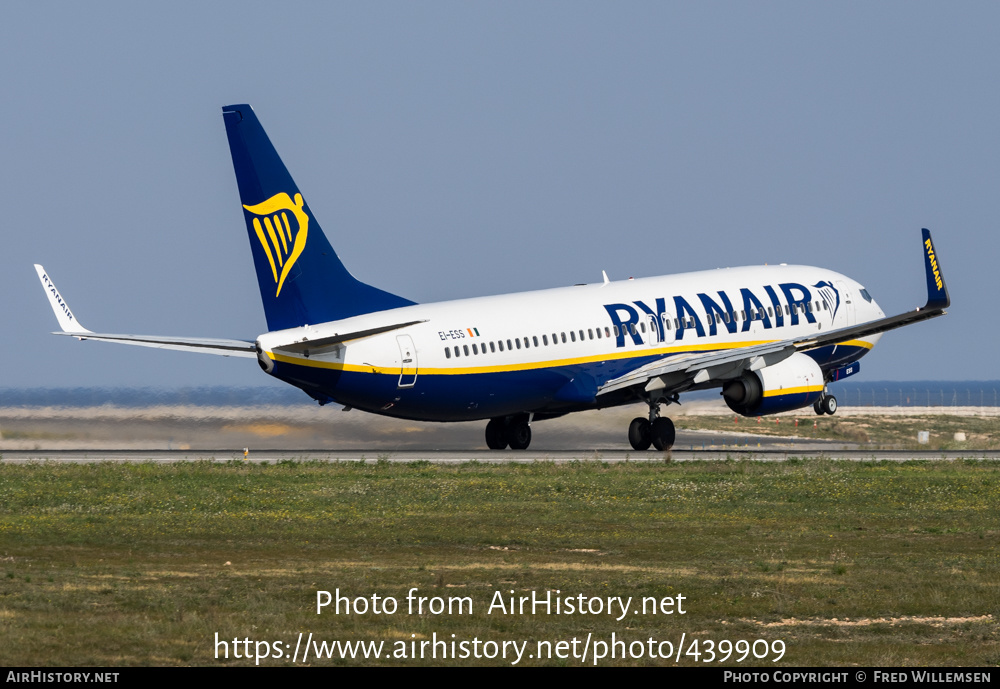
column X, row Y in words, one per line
column 827, row 404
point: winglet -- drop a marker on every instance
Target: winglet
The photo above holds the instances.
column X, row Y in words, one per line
column 937, row 291
column 67, row 321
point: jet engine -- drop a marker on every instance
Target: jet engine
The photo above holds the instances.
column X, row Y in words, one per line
column 793, row 383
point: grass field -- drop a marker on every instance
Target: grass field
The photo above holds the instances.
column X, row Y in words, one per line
column 878, row 564
column 875, row 430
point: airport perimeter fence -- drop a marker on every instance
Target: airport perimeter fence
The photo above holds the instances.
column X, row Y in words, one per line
column 848, row 393
column 929, row 394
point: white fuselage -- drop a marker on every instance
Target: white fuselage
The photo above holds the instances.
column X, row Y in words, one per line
column 485, row 356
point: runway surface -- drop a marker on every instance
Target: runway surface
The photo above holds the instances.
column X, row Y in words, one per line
column 273, row 434
column 506, row 456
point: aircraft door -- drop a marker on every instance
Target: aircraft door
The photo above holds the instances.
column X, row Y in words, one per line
column 846, row 303
column 652, row 331
column 667, row 331
column 408, row 361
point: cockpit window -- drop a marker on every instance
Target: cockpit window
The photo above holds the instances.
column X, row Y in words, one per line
column 867, row 297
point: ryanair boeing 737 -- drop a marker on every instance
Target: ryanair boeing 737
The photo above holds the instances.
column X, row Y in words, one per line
column 770, row 337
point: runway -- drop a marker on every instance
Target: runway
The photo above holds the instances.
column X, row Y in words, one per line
column 485, row 456
column 304, row 433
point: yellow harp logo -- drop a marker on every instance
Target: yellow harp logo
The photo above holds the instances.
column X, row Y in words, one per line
column 283, row 243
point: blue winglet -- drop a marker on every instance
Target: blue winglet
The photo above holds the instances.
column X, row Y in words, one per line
column 302, row 280
column 937, row 291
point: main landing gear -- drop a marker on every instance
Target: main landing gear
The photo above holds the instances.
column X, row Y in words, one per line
column 827, row 404
column 656, row 430
column 514, row 431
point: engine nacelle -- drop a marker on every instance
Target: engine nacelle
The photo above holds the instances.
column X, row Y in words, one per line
column 793, row 383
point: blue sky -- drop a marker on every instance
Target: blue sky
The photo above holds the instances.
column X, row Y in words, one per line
column 463, row 149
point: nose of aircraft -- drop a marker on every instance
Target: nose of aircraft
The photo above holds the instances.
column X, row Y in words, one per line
column 877, row 311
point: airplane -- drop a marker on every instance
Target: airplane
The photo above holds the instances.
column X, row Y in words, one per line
column 770, row 338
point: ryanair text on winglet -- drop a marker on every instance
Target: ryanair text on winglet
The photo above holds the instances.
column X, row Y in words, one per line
column 59, row 299
column 934, row 264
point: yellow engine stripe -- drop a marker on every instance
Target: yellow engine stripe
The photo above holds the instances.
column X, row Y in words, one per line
column 794, row 391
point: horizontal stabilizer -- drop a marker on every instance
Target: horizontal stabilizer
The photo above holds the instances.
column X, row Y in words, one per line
column 305, row 343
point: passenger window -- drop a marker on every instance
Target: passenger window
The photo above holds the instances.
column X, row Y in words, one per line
column 466, row 349
column 615, row 330
column 809, row 306
column 677, row 324
column 564, row 338
column 518, row 343
column 458, row 352
column 493, row 349
column 572, row 336
column 725, row 316
column 666, row 323
column 770, row 312
column 642, row 328
column 510, row 347
column 555, row 338
column 590, row 334
column 475, row 349
column 581, row 335
column 598, row 333
column 447, row 353
column 500, row 344
column 534, row 340
column 607, row 332
column 545, row 340
column 631, row 328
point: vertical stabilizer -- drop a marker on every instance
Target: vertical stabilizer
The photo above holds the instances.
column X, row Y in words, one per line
column 301, row 279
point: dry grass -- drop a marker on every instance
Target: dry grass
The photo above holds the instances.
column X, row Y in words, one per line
column 125, row 564
column 876, row 430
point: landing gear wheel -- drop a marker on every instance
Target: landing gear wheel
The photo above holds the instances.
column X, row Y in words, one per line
column 662, row 433
column 830, row 405
column 638, row 434
column 818, row 407
column 496, row 434
column 519, row 435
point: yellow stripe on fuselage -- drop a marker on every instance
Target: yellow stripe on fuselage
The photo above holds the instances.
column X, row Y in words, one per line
column 856, row 343
column 534, row 365
column 524, row 366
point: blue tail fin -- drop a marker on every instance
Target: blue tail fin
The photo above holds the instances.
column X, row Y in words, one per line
column 301, row 279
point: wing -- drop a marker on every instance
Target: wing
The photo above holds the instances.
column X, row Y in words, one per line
column 72, row 327
column 680, row 372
